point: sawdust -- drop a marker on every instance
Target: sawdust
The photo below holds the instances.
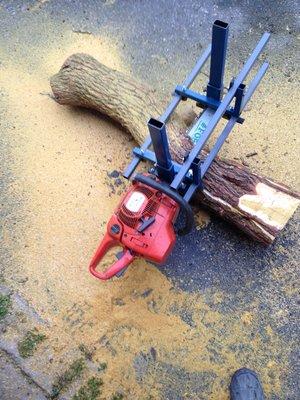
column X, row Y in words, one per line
column 62, row 158
column 36, row 5
column 247, row 318
column 202, row 219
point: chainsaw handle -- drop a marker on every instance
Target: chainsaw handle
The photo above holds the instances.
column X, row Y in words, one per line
column 184, row 205
column 106, row 244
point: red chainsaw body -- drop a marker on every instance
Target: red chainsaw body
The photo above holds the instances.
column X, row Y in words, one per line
column 143, row 225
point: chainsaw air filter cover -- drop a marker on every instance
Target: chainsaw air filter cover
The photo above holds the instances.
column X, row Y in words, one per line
column 137, row 206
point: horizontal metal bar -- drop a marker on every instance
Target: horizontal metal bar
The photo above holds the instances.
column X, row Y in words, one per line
column 200, row 98
column 145, row 155
column 187, row 82
column 220, row 111
column 217, row 146
column 205, row 102
column 254, row 83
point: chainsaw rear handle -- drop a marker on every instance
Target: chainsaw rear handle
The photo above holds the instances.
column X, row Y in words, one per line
column 184, row 205
column 106, row 244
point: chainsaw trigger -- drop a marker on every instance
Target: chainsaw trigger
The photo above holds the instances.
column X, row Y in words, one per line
column 145, row 224
column 119, row 254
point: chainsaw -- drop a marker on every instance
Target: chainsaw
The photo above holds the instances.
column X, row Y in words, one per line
column 144, row 222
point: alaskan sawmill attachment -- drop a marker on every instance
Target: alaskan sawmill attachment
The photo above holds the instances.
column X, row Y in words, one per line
column 143, row 222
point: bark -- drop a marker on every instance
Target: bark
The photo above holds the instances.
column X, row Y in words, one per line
column 258, row 206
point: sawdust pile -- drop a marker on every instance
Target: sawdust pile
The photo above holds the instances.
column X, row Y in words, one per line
column 62, row 159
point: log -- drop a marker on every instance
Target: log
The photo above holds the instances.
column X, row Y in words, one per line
column 258, row 206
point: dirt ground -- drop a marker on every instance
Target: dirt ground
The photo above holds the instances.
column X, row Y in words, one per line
column 155, row 333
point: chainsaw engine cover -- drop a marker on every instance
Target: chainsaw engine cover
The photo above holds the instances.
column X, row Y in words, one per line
column 143, row 223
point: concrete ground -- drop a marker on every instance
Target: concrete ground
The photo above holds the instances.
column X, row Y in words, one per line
column 221, row 302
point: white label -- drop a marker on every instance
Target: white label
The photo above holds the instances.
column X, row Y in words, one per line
column 135, row 201
column 200, row 125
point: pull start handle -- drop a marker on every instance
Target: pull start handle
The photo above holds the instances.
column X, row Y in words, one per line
column 106, row 244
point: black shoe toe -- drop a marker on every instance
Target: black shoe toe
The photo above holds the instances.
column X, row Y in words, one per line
column 245, row 385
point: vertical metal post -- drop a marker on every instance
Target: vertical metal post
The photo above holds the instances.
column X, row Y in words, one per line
column 217, row 59
column 158, row 134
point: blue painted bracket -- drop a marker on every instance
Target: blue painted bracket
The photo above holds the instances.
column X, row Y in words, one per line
column 187, row 177
column 204, row 101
